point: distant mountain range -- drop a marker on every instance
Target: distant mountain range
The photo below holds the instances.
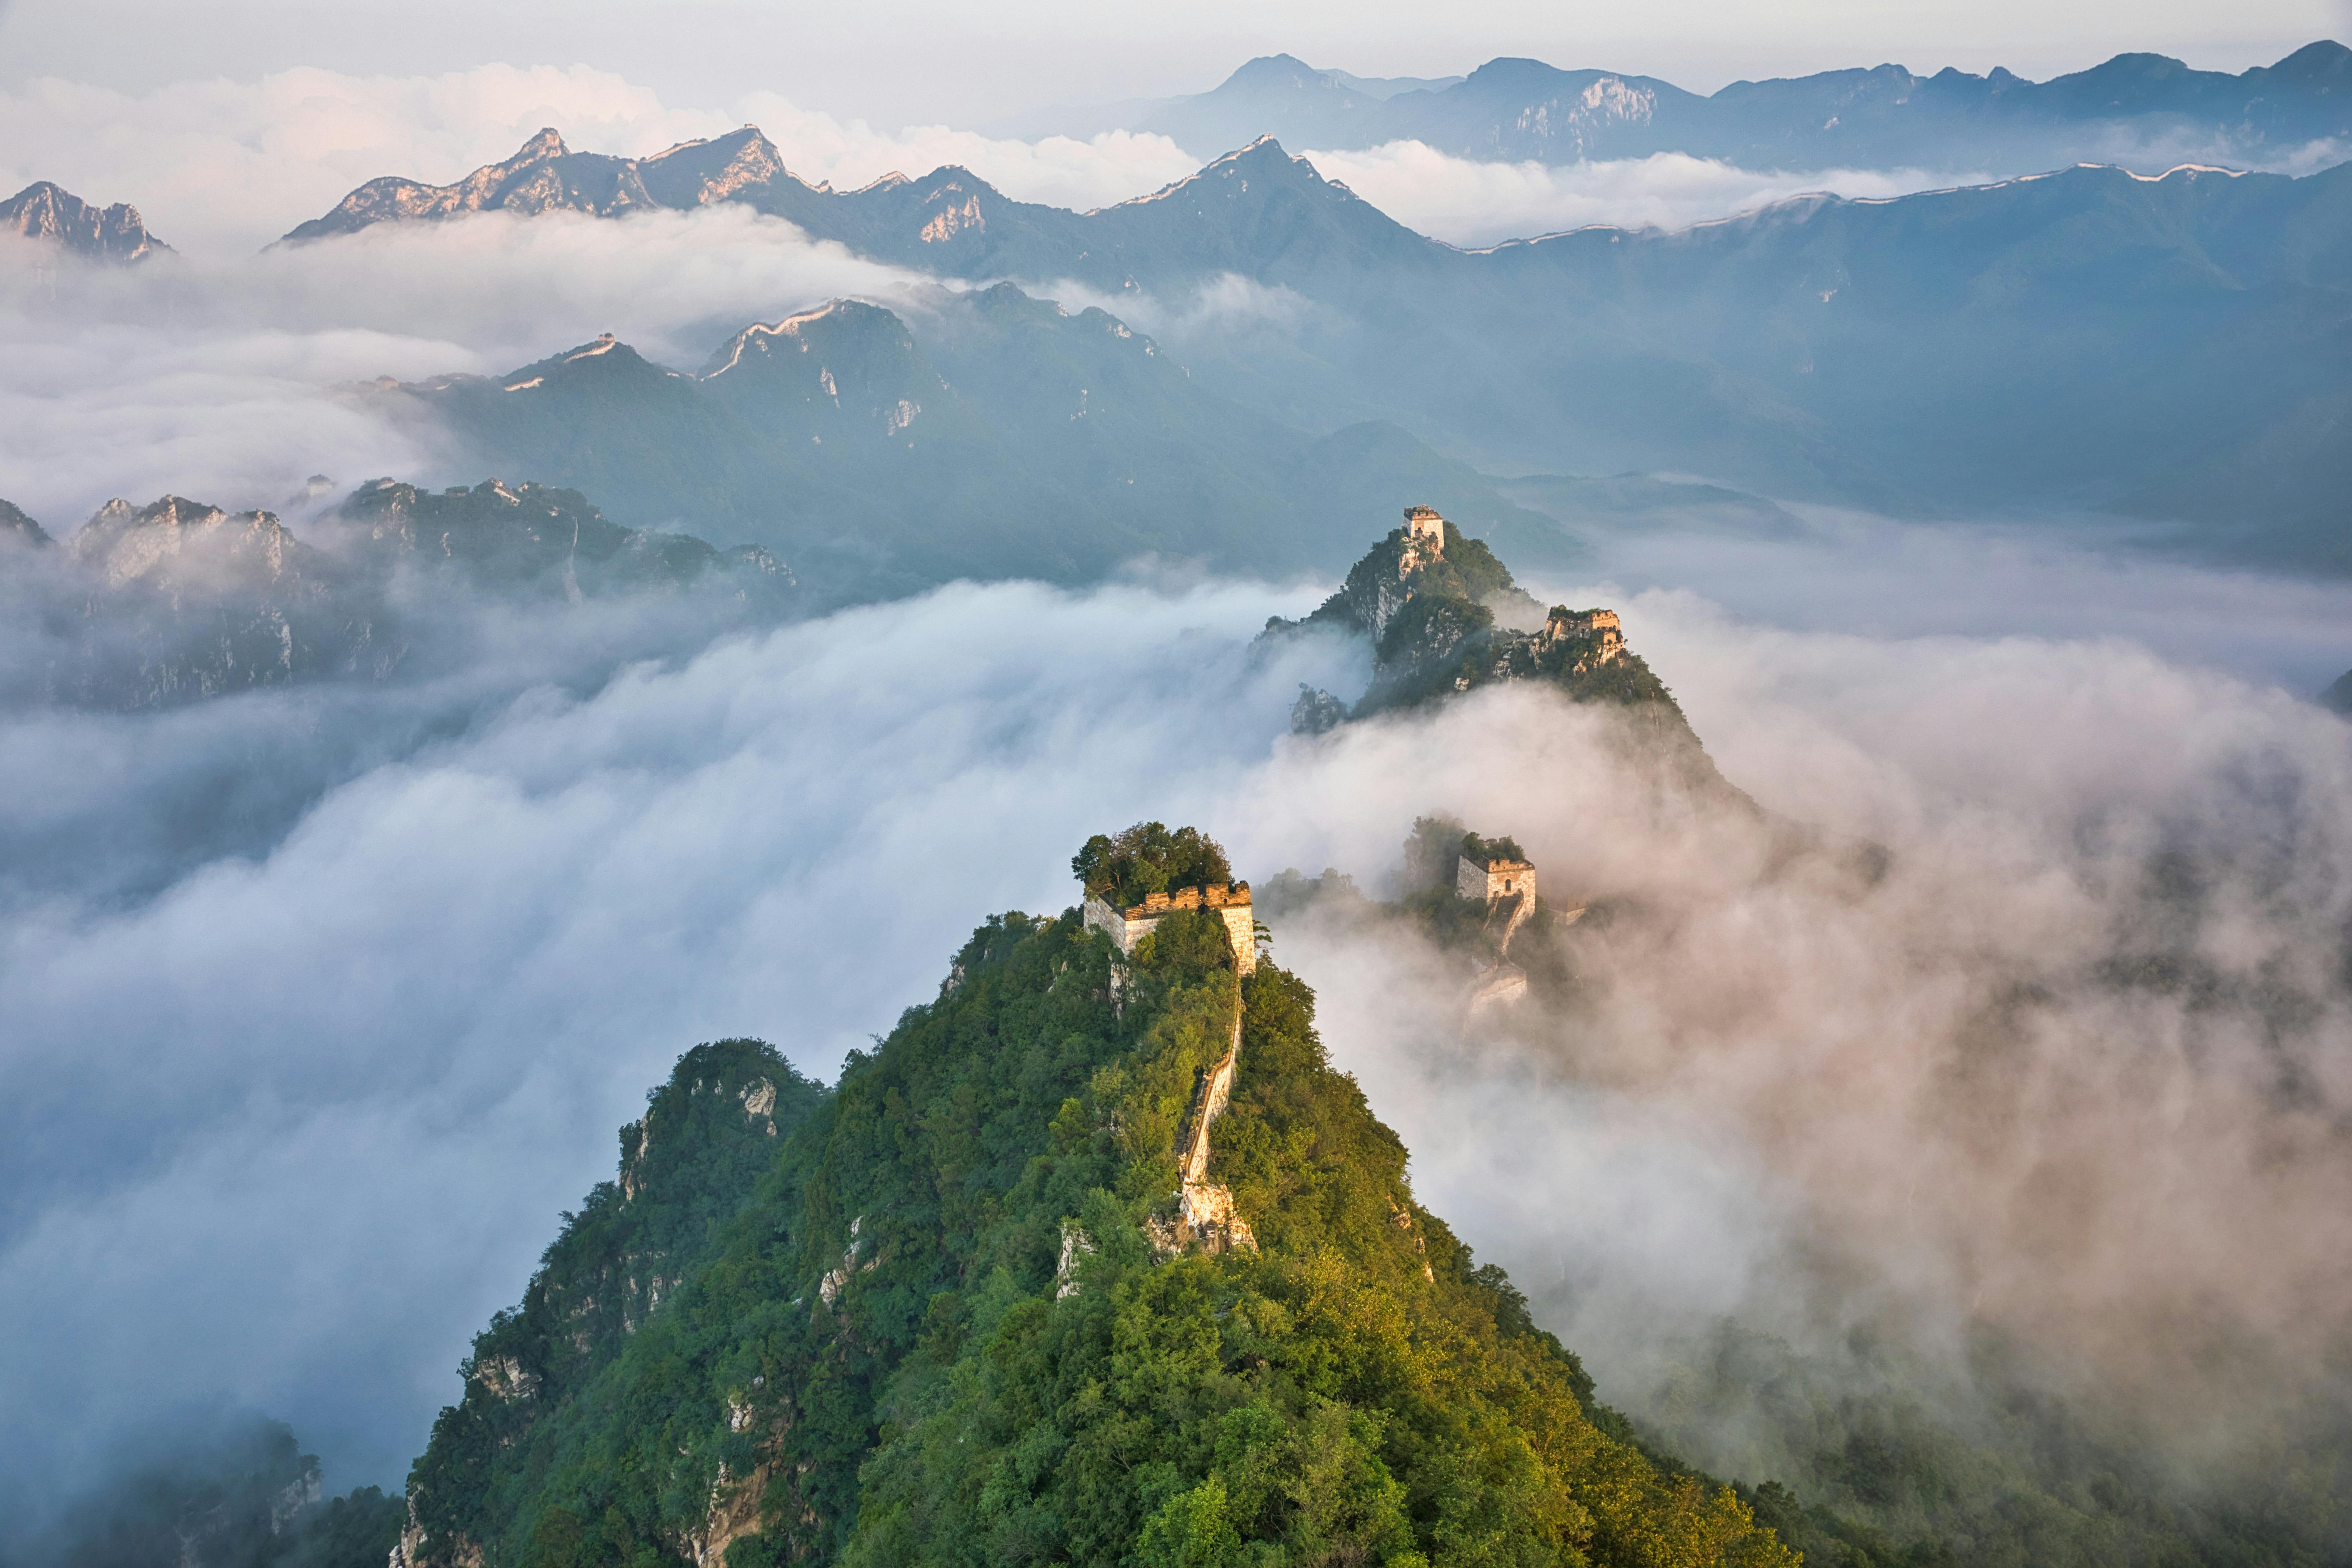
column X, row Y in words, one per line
column 149, row 606
column 2178, row 349
column 981, row 434
column 54, row 215
column 1516, row 110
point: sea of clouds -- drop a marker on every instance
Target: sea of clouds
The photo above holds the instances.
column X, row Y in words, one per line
column 289, row 1121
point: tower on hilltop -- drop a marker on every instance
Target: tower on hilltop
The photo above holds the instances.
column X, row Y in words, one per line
column 1487, row 877
column 1425, row 530
column 1126, row 927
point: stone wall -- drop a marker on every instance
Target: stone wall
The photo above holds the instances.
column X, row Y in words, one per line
column 1495, row 879
column 1126, row 927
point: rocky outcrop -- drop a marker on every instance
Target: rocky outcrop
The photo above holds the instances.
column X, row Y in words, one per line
column 735, row 1509
column 54, row 216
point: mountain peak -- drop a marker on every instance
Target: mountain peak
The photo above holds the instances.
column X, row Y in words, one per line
column 546, row 142
column 1268, row 70
column 48, row 212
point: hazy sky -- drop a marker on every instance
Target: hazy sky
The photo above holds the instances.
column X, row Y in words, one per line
column 930, row 60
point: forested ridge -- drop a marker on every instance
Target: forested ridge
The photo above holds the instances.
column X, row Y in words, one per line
column 937, row 1331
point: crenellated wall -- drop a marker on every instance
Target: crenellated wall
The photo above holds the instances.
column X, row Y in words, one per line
column 1126, row 927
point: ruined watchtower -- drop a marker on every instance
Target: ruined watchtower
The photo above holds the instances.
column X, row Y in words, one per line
column 1603, row 628
column 1487, row 879
column 1126, row 927
column 1424, row 532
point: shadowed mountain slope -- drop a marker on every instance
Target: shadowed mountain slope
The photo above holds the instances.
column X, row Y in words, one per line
column 984, row 434
column 2089, row 339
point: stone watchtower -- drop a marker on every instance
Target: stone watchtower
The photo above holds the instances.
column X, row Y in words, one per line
column 1126, row 927
column 1602, row 626
column 1424, row 532
column 1487, row 880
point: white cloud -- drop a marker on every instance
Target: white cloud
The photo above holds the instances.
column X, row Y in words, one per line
column 1468, row 203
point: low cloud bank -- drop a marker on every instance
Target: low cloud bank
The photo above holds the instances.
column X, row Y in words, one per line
column 219, row 379
column 285, row 1131
column 1466, row 202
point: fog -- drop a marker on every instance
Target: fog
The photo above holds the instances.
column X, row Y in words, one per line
column 219, row 379
column 323, row 1090
column 1468, row 203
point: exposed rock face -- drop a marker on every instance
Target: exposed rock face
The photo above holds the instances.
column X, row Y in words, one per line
column 734, row 1514
column 126, row 543
column 544, row 175
column 50, row 213
column 847, row 371
column 181, row 600
column 191, row 601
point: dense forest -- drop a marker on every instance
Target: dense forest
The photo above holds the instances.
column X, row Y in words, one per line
column 937, row 1329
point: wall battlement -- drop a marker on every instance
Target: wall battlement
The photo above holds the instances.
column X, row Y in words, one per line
column 1126, row 927
column 1564, row 624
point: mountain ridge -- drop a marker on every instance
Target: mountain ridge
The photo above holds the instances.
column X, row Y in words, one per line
column 2079, row 340
column 1514, row 109
column 179, row 600
column 983, row 433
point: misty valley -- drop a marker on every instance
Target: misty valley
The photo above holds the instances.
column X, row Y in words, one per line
column 1267, row 864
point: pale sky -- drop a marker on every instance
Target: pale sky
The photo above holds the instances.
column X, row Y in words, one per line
column 949, row 61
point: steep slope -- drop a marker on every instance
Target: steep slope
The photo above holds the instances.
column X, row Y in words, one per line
column 1256, row 211
column 530, row 538
column 689, row 1168
column 941, row 1330
column 54, row 215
